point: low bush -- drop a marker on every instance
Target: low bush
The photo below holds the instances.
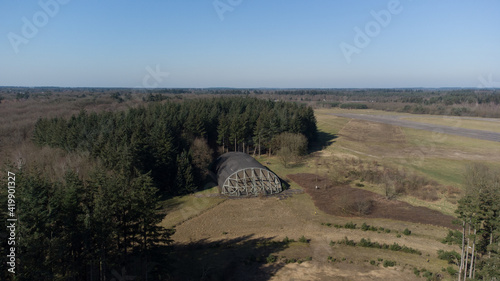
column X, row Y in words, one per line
column 350, row 225
column 452, row 257
column 303, row 239
column 271, row 259
column 406, row 231
column 365, row 227
column 428, row 275
column 453, row 237
column 388, row 263
column 451, row 271
column 416, row 272
column 367, row 243
column 346, row 242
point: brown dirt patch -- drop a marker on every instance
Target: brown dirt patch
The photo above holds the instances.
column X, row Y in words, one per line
column 350, row 202
column 370, row 132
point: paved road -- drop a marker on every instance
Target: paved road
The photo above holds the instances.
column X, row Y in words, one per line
column 397, row 121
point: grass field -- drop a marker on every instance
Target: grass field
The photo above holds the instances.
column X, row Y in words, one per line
column 476, row 123
column 237, row 223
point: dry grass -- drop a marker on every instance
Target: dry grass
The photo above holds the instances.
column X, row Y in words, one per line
column 476, row 124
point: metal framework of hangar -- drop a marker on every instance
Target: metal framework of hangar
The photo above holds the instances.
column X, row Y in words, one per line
column 239, row 174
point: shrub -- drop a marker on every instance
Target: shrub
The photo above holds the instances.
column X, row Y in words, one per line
column 350, row 225
column 303, row 239
column 365, row 243
column 287, row 240
column 332, row 243
column 271, row 258
column 368, row 244
column 372, row 262
column 309, row 258
column 388, row 263
column 410, row 250
column 451, row 271
column 416, row 272
column 359, row 184
column 365, row 227
column 453, row 237
column 406, row 231
column 452, row 257
column 398, row 235
column 427, row 274
column 395, row 247
column 347, row 242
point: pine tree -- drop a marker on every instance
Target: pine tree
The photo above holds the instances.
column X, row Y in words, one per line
column 185, row 178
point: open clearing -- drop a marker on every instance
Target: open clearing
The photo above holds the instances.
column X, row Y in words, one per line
column 221, row 239
column 451, row 130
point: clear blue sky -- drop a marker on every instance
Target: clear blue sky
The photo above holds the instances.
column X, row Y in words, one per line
column 258, row 43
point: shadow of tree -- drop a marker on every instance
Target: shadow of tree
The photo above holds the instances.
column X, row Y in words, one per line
column 323, row 140
column 241, row 258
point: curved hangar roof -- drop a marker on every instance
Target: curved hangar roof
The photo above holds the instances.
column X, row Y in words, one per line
column 239, row 174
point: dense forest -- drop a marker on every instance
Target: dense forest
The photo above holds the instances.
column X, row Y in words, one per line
column 91, row 228
column 481, row 102
column 176, row 142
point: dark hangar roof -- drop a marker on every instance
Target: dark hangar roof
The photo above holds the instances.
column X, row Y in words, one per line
column 230, row 162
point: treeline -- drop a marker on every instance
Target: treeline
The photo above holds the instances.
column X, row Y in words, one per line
column 176, row 142
column 479, row 215
column 95, row 229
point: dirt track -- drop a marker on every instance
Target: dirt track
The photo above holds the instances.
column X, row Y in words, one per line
column 397, row 121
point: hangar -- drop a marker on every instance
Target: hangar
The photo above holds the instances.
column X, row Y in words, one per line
column 239, row 174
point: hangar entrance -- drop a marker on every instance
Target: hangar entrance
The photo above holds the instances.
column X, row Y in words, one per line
column 239, row 174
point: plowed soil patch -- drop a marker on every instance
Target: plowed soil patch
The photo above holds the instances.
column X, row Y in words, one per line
column 333, row 200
